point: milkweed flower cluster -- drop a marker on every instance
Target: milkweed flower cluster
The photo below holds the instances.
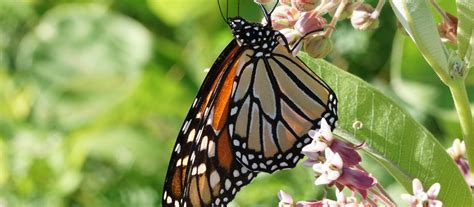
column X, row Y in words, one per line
column 458, row 153
column 420, row 198
column 336, row 162
column 303, row 23
column 287, row 201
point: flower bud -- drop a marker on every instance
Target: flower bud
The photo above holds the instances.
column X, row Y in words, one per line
column 318, row 46
column 284, row 17
column 285, row 2
column 448, row 29
column 291, row 35
column 263, row 2
column 361, row 18
column 305, row 5
column 310, row 22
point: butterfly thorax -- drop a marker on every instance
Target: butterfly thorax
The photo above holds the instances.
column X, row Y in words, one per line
column 260, row 38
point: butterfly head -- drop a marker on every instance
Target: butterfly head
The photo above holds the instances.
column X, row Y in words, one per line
column 257, row 36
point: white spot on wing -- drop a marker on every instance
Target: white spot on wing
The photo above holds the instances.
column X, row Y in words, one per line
column 178, row 148
column 203, row 143
column 214, row 178
column 234, row 110
column 179, row 162
column 191, row 135
column 185, row 160
column 227, row 184
column 211, row 149
column 244, row 160
column 201, row 169
column 236, row 142
column 186, row 125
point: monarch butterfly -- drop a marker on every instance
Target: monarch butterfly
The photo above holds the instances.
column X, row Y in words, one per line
column 251, row 114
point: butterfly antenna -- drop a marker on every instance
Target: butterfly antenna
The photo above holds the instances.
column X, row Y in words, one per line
column 267, row 15
column 238, row 8
column 274, row 6
column 220, row 10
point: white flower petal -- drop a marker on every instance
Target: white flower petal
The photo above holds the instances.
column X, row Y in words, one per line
column 324, row 126
column 320, row 146
column 337, row 161
column 329, row 203
column 409, row 198
column 340, row 195
column 434, row 190
column 417, row 187
column 333, row 175
column 328, row 153
column 319, row 168
column 284, row 197
column 311, row 147
column 322, row 180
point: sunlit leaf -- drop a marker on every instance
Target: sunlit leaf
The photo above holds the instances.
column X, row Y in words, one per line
column 402, row 145
column 465, row 26
column 417, row 19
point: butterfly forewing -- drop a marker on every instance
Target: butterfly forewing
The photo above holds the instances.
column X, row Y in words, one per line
column 202, row 170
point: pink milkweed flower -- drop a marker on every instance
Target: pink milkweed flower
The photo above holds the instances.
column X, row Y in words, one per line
column 344, row 201
column 310, row 22
column 420, row 198
column 458, row 152
column 322, row 139
column 356, row 180
column 287, row 201
column 284, row 17
column 330, row 170
column 333, row 172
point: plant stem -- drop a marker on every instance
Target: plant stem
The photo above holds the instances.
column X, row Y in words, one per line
column 461, row 101
column 332, row 25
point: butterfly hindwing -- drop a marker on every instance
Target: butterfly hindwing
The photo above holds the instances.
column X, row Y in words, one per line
column 277, row 101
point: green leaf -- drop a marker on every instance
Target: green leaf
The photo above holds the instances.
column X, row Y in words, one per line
column 402, row 145
column 416, row 84
column 470, row 53
column 417, row 19
column 465, row 26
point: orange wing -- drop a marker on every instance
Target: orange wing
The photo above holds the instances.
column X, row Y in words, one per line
column 203, row 170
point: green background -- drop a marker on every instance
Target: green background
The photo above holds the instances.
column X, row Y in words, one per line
column 92, row 95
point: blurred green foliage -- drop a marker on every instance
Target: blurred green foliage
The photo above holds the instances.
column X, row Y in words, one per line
column 92, row 95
